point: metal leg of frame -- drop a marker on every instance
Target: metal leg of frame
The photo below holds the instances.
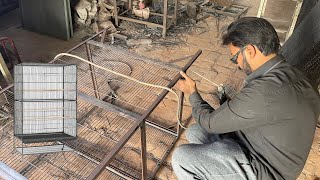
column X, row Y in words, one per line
column 103, row 37
column 115, row 12
column 165, row 16
column 181, row 94
column 15, row 51
column 93, row 74
column 130, row 4
column 175, row 12
column 144, row 151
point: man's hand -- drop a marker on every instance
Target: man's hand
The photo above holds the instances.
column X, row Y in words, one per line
column 186, row 85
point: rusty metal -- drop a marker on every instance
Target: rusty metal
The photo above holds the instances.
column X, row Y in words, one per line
column 129, row 133
column 109, row 133
column 92, row 72
column 167, row 20
column 143, row 151
column 181, row 112
column 103, row 36
column 3, row 41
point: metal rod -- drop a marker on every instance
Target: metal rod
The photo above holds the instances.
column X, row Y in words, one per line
column 3, row 39
column 165, row 14
column 115, row 12
column 124, row 12
column 168, row 151
column 158, row 14
column 78, row 45
column 103, row 37
column 118, row 110
column 175, row 12
column 130, row 4
column 181, row 112
column 134, row 127
column 93, row 75
column 143, row 152
column 141, row 22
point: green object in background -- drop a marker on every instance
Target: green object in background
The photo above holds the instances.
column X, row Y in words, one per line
column 50, row 17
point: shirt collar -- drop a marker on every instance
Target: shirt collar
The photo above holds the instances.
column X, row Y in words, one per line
column 265, row 68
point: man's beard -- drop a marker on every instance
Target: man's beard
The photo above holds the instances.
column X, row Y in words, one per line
column 246, row 67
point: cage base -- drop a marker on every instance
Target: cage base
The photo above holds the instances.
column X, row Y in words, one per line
column 36, row 138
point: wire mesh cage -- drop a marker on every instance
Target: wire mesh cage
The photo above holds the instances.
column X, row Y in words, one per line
column 45, row 102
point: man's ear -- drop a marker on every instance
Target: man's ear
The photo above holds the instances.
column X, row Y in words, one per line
column 251, row 51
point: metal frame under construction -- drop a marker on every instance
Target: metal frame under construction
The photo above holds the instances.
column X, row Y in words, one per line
column 115, row 140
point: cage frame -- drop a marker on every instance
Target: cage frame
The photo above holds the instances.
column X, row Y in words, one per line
column 139, row 127
column 141, row 121
column 46, row 137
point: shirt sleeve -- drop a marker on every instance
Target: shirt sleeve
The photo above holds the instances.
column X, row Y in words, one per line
column 246, row 109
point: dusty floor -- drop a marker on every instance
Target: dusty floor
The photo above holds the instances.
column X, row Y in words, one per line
column 212, row 64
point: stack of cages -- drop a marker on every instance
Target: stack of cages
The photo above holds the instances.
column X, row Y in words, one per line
column 45, row 107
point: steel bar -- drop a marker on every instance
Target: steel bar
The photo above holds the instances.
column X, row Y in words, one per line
column 168, row 151
column 108, row 106
column 175, row 12
column 158, row 14
column 118, row 110
column 3, row 40
column 134, row 127
column 130, row 4
column 92, row 69
column 165, row 14
column 141, row 22
column 115, row 12
column 103, row 36
column 180, row 114
column 124, row 12
column 143, row 152
column 77, row 46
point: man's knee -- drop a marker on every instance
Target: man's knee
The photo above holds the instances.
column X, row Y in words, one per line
column 180, row 155
column 193, row 131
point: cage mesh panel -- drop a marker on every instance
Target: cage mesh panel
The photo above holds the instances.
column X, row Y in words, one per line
column 46, row 100
column 131, row 96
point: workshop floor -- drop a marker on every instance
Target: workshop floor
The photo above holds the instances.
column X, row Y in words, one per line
column 213, row 64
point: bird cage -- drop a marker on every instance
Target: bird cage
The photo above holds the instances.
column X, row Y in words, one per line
column 45, row 104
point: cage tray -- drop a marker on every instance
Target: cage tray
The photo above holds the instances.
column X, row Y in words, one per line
column 35, row 138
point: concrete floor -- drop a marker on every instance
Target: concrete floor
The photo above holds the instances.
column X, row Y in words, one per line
column 212, row 64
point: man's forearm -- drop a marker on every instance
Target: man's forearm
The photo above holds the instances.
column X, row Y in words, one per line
column 200, row 108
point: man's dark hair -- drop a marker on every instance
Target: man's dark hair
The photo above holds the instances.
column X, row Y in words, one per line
column 254, row 31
